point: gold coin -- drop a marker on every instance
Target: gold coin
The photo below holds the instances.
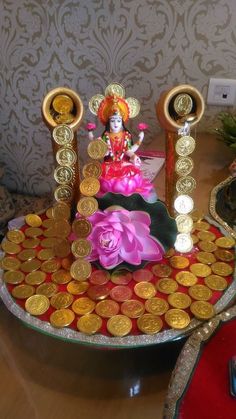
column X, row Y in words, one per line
column 184, row 166
column 221, row 268
column 62, row 248
column 87, row 206
column 49, row 242
column 49, row 212
column 186, row 278
column 10, row 263
column 201, row 225
column 35, row 278
column 121, row 293
column 31, row 243
column 194, row 238
column 89, row 324
column 206, row 235
column 62, row 135
column 99, row 277
column 157, row 306
column 81, row 248
column 121, row 277
column 179, row 262
column 37, row 304
column 149, row 323
column 63, row 175
column 16, row 236
column 177, row 318
column 97, row 149
column 145, row 290
column 27, row 254
column 119, row 325
column 185, row 184
column 132, row 308
column 33, row 220
column 98, row 292
column 60, row 211
column 62, row 104
column 62, row 318
column 89, row 186
column 33, row 231
column 92, row 169
column 142, row 275
column 67, row 262
column 200, row 292
column 50, row 266
column 94, row 103
column 184, row 223
column 207, row 246
column 185, row 145
column 61, row 277
column 48, row 289
column 166, row 285
column 161, row 270
column 107, row 308
column 216, row 282
column 13, row 277
column 202, row 310
column 23, row 291
column 200, row 269
column 183, row 104
column 45, row 254
column 62, row 228
column 169, row 253
column 115, row 89
column 10, row 247
column 65, row 156
column 81, row 227
column 61, row 300
column 225, row 242
column 205, row 257
column 224, row 255
column 63, row 193
column 76, row 288
column 30, row 265
column 179, row 300
column 197, row 215
column 64, row 118
column 83, row 305
column 81, row 269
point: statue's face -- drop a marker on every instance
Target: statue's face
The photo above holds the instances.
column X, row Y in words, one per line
column 116, row 123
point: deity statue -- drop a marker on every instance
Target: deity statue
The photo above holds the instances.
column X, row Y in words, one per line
column 121, row 171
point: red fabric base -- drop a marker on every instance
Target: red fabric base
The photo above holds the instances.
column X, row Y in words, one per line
column 208, row 395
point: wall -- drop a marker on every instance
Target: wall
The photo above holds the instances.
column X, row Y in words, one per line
column 147, row 45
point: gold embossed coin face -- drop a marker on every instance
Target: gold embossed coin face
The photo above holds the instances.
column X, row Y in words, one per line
column 45, row 254
column 145, row 290
column 149, row 323
column 89, row 324
column 97, row 149
column 200, row 292
column 26, row 254
column 47, row 289
column 81, row 227
column 107, row 308
column 50, row 266
column 62, row 104
column 16, row 236
column 157, row 306
column 185, row 145
column 62, row 318
column 33, row 220
column 63, row 193
column 185, row 184
column 65, row 156
column 177, row 318
column 200, row 269
column 83, row 305
column 77, row 288
column 179, row 262
column 61, row 210
column 183, row 104
column 61, row 300
column 35, row 278
column 98, row 292
column 87, row 206
column 224, row 255
column 81, row 248
column 142, row 275
column 92, row 169
column 61, row 277
column 202, row 310
column 99, row 277
column 13, row 277
column 10, row 263
column 121, row 293
column 119, row 325
column 216, row 282
column 225, row 242
column 62, row 135
column 184, row 223
column 186, row 278
column 179, row 300
column 201, row 225
column 23, row 291
column 33, row 231
column 31, row 243
column 207, row 246
column 37, row 304
column 132, row 308
column 206, row 235
column 121, row 277
column 184, row 166
column 62, row 248
column 10, row 247
column 205, row 257
column 161, row 270
column 63, row 175
column 166, row 285
column 81, row 269
column 89, row 186
column 221, row 268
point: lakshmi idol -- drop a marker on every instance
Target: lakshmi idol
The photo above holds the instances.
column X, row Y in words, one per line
column 121, row 171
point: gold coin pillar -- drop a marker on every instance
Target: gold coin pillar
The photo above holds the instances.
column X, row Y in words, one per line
column 62, row 111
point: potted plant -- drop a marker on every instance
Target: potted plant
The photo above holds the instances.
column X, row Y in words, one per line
column 227, row 133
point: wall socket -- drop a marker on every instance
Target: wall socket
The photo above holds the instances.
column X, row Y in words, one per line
column 221, row 92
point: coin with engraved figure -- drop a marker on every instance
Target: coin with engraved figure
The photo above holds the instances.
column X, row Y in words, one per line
column 99, row 277
column 13, row 277
column 63, row 193
column 121, row 293
column 177, row 318
column 92, row 169
column 61, row 277
column 62, row 135
column 161, row 270
column 149, row 324
column 23, row 291
column 98, row 292
column 145, row 290
column 83, row 305
column 225, row 242
column 184, row 223
column 119, row 325
column 16, row 236
column 183, row 104
column 77, row 288
column 37, row 304
column 205, row 257
column 200, row 269
column 179, row 300
column 121, row 277
column 81, row 269
column 48, row 289
column 156, row 306
column 200, row 292
column 97, row 149
column 33, row 220
column 62, row 317
column 81, row 227
column 81, row 248
column 216, row 282
column 89, row 186
column 65, row 156
column 166, row 285
column 179, row 262
column 10, row 247
column 202, row 310
column 63, row 175
column 185, row 184
column 186, row 278
column 107, row 308
column 224, row 255
column 61, row 210
column 35, row 278
column 87, row 206
column 61, row 300
column 184, row 166
column 62, row 104
column 89, row 324
column 10, row 263
column 222, row 268
column 132, row 308
column 185, row 145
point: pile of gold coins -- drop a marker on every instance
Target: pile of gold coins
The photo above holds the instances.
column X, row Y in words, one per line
column 40, row 274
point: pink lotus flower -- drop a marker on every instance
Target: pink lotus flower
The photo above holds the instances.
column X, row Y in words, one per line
column 142, row 126
column 126, row 186
column 122, row 235
column 90, row 126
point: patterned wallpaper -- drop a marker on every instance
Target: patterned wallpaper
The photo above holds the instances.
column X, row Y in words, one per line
column 147, row 45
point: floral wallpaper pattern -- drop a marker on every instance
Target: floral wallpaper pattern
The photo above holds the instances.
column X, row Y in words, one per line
column 147, row 45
